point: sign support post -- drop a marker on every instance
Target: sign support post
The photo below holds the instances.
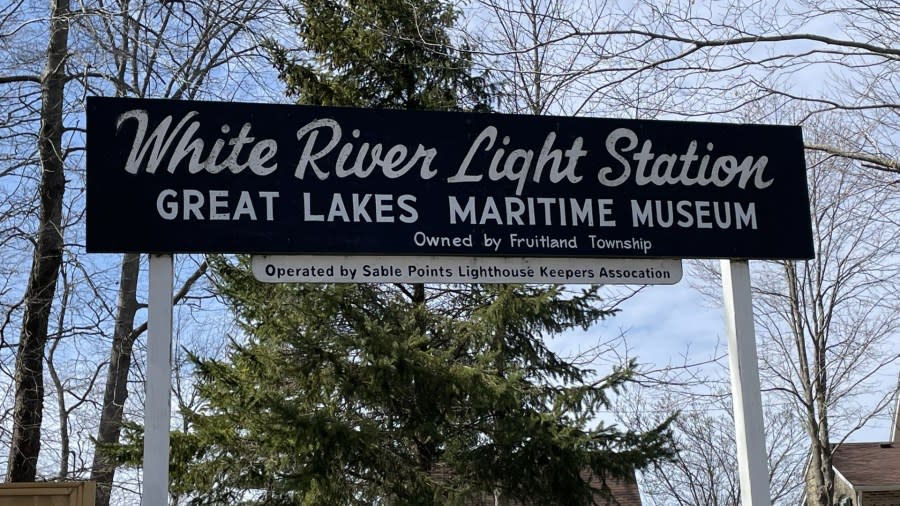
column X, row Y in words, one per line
column 745, row 389
column 159, row 378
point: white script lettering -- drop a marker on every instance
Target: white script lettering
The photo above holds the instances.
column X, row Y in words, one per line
column 186, row 143
column 678, row 169
column 366, row 159
column 518, row 163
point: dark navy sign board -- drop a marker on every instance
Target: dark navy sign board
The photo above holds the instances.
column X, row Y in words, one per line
column 177, row 176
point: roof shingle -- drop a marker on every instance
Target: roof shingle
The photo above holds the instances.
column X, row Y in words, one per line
column 868, row 464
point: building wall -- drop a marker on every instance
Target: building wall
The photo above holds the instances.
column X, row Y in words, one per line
column 890, row 498
column 841, row 488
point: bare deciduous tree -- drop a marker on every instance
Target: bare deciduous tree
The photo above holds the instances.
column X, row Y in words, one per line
column 29, row 380
column 125, row 48
column 827, row 324
column 824, row 324
column 683, row 58
column 171, row 51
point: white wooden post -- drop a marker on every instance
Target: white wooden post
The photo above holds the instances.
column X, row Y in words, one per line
column 159, row 381
column 750, row 432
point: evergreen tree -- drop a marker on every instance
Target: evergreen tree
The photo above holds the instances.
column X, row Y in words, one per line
column 394, row 54
column 387, row 394
column 397, row 394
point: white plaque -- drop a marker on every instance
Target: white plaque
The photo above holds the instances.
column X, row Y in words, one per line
column 448, row 269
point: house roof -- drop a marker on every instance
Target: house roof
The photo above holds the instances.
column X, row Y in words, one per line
column 868, row 464
column 624, row 493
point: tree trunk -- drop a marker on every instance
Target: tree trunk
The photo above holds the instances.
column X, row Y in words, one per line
column 814, row 381
column 29, row 381
column 116, row 391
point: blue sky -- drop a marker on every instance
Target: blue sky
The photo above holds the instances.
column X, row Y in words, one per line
column 672, row 325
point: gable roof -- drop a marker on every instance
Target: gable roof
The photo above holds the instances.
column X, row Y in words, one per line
column 866, row 465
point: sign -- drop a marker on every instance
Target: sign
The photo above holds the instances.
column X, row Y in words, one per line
column 356, row 269
column 177, row 176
